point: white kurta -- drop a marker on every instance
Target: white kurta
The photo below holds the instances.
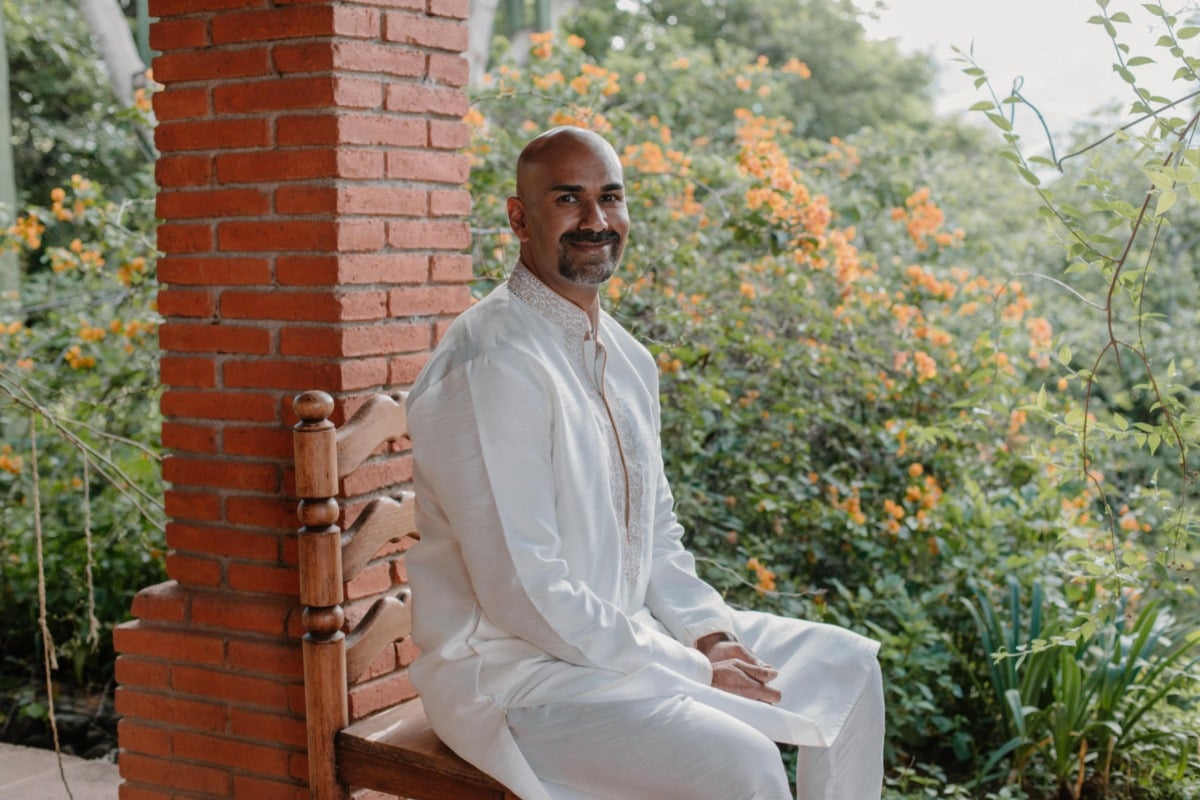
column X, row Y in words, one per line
column 550, row 566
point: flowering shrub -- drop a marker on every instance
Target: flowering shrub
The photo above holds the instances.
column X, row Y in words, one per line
column 80, row 497
column 847, row 427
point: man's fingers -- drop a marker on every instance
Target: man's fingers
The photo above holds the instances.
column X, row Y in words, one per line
column 762, row 673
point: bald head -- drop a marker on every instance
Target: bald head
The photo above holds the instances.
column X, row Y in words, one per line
column 557, row 144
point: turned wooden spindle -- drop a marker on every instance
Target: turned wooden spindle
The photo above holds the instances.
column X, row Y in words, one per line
column 324, row 644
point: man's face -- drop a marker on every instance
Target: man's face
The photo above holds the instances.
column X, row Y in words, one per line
column 570, row 215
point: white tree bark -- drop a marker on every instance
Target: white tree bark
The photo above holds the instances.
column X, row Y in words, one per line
column 110, row 32
column 481, row 21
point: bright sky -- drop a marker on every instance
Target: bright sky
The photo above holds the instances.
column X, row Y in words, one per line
column 1065, row 61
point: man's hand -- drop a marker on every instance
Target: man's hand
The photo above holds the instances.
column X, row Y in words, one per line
column 738, row 671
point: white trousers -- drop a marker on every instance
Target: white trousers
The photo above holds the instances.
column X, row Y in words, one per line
column 676, row 748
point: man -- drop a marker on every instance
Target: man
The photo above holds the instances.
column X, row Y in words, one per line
column 567, row 646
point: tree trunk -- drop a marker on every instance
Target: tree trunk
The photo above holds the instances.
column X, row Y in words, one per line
column 481, row 22
column 110, row 32
column 10, row 268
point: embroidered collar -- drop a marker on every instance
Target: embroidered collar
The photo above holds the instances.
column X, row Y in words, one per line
column 562, row 313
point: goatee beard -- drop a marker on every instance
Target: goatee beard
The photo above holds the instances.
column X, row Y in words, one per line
column 589, row 273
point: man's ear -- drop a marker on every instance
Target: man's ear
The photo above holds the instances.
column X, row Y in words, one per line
column 516, row 218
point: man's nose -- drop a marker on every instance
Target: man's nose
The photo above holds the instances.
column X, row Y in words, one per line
column 593, row 218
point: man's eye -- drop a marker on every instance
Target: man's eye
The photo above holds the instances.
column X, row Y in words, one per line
column 612, row 198
column 568, row 198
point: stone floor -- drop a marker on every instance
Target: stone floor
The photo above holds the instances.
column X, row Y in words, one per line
column 28, row 773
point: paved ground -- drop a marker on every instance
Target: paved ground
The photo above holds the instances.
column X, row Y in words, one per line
column 27, row 773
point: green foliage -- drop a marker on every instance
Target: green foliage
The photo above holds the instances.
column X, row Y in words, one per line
column 78, row 404
column 1077, row 708
column 65, row 118
column 860, row 398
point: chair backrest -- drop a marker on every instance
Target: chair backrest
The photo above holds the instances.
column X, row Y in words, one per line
column 330, row 558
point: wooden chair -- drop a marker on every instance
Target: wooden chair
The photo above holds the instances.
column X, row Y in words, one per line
column 393, row 750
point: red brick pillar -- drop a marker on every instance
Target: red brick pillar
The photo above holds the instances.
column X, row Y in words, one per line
column 313, row 233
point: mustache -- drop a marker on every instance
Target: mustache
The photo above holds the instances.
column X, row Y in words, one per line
column 603, row 237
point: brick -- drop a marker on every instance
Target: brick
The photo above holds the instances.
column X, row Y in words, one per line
column 301, row 199
column 363, row 235
column 274, row 95
column 303, row 57
column 387, row 59
column 420, row 301
column 212, row 64
column 433, row 167
column 143, row 739
column 428, row 235
column 269, row 441
column 371, row 580
column 222, row 541
column 238, row 612
column 268, row 727
column 180, row 104
column 190, row 471
column 373, row 129
column 196, row 337
column 350, row 341
column 276, row 235
column 451, row 268
column 192, row 506
column 237, row 753
column 350, row 92
column 282, row 660
column 263, row 789
column 267, row 579
column 216, row 405
column 178, row 34
column 300, row 375
column 157, row 641
column 180, row 238
column 276, row 165
column 422, row 31
column 186, row 302
column 295, row 22
column 450, row 203
column 128, row 791
column 382, row 201
column 449, row 70
column 304, row 306
column 313, row 129
column 176, row 171
column 418, row 98
column 351, row 268
column 277, row 513
column 181, row 371
column 172, row 8
column 360, row 163
column 214, row 271
column 218, row 203
column 193, row 571
column 176, row 774
column 370, row 697
column 140, row 672
column 236, row 688
column 163, row 602
column 449, row 135
column 403, row 370
column 222, row 134
column 455, row 9
column 189, row 438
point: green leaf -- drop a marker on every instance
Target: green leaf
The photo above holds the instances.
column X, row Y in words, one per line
column 983, row 105
column 1165, row 201
column 1000, row 121
column 1155, row 9
column 1120, row 16
column 1189, row 32
column 1029, row 176
column 1138, row 61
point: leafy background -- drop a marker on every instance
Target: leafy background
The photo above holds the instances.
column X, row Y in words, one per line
column 915, row 380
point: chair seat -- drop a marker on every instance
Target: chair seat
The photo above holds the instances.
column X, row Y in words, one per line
column 396, row 751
